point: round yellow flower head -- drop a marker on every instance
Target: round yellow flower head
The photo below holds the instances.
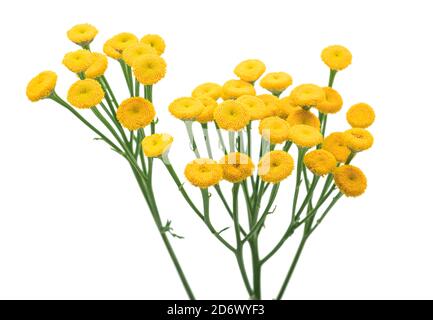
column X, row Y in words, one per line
column 332, row 103
column 155, row 41
column 132, row 53
column 122, row 41
column 274, row 129
column 307, row 95
column 335, row 143
column 135, row 113
column 82, row 34
column 287, row 107
column 98, row 66
column 110, row 51
column 305, row 136
column 209, row 107
column 210, row 89
column 236, row 167
column 233, row 89
column 320, row 162
column 156, row 145
column 358, row 139
column 250, row 70
column 275, row 166
column 41, row 86
column 301, row 116
column 255, row 106
column 78, row 61
column 272, row 104
column 203, row 173
column 337, row 57
column 149, row 69
column 85, row 94
column 276, row 82
column 360, row 115
column 350, row 180
column 186, row 108
column 231, row 115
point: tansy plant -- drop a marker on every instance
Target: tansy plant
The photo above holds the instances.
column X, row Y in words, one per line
column 253, row 172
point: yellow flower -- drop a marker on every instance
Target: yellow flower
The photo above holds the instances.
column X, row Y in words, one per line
column 255, row 106
column 274, row 129
column 305, row 136
column 209, row 107
column 231, row 115
column 82, row 34
column 360, row 115
column 286, row 107
column 78, row 61
column 233, row 89
column 335, row 143
column 135, row 113
column 250, row 70
column 275, row 166
column 110, row 51
column 236, row 167
column 332, row 103
column 307, row 95
column 98, row 66
column 155, row 41
column 210, row 89
column 203, row 173
column 320, row 162
column 358, row 139
column 156, row 145
column 85, row 94
column 350, row 180
column 276, row 82
column 122, row 41
column 336, row 57
column 301, row 116
column 272, row 104
column 149, row 69
column 41, row 86
column 132, row 53
column 186, row 108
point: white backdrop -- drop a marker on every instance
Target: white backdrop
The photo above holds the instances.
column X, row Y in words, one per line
column 73, row 223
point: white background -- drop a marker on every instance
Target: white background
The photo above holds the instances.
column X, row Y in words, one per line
column 73, row 223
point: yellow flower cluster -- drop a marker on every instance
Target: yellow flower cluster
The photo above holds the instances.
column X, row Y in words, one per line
column 288, row 119
column 297, row 119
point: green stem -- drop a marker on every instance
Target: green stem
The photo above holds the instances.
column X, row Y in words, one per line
column 319, row 221
column 207, row 139
column 299, row 164
column 308, row 196
column 232, row 141
column 126, row 76
column 239, row 247
column 249, row 141
column 137, row 88
column 107, row 85
column 148, row 195
column 332, row 74
column 350, row 157
column 226, row 205
column 256, row 228
column 63, row 103
column 205, row 197
column 292, row 268
column 220, row 138
column 194, row 148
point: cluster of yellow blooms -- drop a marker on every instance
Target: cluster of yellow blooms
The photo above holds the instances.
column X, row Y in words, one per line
column 281, row 120
column 235, row 107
